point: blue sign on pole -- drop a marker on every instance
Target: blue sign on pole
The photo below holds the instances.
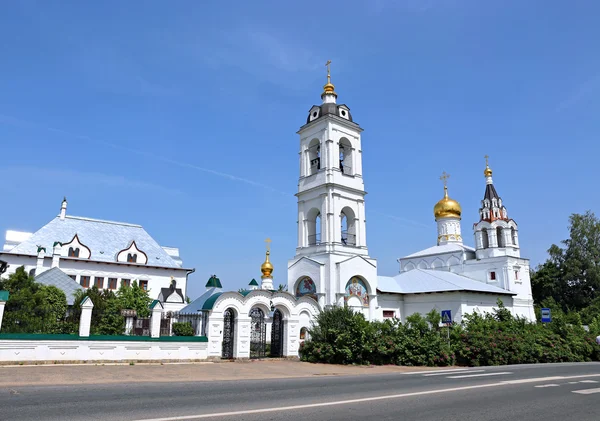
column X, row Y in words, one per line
column 446, row 316
column 546, row 316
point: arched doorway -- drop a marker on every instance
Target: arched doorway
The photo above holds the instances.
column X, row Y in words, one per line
column 228, row 334
column 277, row 335
column 258, row 333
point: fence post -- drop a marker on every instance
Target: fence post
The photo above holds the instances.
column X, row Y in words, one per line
column 3, row 300
column 85, row 320
column 156, row 309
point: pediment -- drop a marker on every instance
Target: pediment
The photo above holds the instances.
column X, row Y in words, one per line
column 367, row 261
column 75, row 248
column 132, row 254
column 306, row 261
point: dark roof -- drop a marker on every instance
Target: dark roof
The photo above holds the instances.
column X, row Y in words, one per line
column 208, row 304
column 253, row 283
column 213, row 281
column 60, row 280
column 167, row 292
column 490, row 193
column 329, row 108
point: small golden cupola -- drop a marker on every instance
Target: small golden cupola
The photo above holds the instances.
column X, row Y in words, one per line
column 266, row 268
column 328, row 88
column 447, row 207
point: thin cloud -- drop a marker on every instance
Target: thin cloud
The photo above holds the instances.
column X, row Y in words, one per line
column 400, row 219
column 9, row 120
column 66, row 177
column 584, row 90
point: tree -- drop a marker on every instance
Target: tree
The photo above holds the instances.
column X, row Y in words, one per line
column 571, row 275
column 32, row 307
column 135, row 298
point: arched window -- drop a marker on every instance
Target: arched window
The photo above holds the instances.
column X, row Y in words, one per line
column 345, row 156
column 73, row 252
column 313, row 227
column 357, row 288
column 500, row 235
column 348, row 234
column 303, row 332
column 306, row 288
column 314, row 156
column 131, row 258
column 513, row 235
column 485, row 240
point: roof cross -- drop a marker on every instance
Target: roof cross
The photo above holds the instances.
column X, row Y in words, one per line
column 268, row 241
column 328, row 71
column 486, row 160
column 445, row 178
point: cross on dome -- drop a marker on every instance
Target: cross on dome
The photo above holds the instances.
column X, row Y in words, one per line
column 444, row 177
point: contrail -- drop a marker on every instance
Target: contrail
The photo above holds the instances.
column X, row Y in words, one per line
column 14, row 121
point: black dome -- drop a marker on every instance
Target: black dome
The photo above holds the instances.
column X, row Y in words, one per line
column 329, row 108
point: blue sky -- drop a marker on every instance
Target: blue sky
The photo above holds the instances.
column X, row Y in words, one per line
column 182, row 117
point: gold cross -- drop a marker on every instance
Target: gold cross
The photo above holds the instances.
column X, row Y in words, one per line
column 328, row 73
column 486, row 160
column 445, row 178
column 268, row 241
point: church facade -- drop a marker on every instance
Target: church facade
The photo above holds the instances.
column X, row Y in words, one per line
column 332, row 263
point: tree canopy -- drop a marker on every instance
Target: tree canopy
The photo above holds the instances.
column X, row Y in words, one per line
column 571, row 275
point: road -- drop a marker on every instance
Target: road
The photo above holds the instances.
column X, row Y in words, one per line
column 528, row 392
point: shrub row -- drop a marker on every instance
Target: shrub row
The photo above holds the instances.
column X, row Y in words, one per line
column 341, row 336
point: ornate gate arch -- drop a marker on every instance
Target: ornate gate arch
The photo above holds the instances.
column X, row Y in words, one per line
column 258, row 333
column 277, row 335
column 228, row 334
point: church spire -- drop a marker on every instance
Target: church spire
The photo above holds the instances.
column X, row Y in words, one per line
column 491, row 206
column 328, row 94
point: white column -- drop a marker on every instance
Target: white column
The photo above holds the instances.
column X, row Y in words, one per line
column 156, row 309
column 85, row 320
column 40, row 261
column 492, row 238
column 56, row 252
column 2, row 305
column 241, row 348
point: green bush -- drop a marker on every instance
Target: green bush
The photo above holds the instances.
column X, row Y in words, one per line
column 341, row 336
column 183, row 329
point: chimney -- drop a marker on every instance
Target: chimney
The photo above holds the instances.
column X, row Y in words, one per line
column 40, row 260
column 63, row 209
column 56, row 253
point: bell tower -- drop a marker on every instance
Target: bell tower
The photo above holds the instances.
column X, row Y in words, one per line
column 331, row 201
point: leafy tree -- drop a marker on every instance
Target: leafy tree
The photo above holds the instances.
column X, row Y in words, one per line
column 183, row 329
column 136, row 298
column 571, row 275
column 32, row 307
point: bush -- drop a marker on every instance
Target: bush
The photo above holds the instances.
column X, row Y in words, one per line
column 183, row 329
column 341, row 336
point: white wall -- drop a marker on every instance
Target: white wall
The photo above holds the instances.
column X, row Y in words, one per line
column 76, row 350
column 157, row 277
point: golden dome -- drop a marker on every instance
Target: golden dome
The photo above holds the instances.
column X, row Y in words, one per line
column 488, row 171
column 328, row 88
column 447, row 208
column 266, row 268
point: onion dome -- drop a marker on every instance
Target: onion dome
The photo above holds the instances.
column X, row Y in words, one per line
column 266, row 268
column 447, row 207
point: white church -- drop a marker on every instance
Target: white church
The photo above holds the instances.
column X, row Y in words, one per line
column 332, row 265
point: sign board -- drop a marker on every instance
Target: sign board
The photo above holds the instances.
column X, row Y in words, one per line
column 446, row 316
column 546, row 317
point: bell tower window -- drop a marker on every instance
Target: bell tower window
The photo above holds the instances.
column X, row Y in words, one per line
column 348, row 227
column 314, row 227
column 485, row 241
column 500, row 235
column 314, row 156
column 345, row 156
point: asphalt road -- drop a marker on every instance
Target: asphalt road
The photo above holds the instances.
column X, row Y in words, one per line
column 528, row 392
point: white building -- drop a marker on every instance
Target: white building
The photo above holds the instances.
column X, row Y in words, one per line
column 332, row 262
column 101, row 253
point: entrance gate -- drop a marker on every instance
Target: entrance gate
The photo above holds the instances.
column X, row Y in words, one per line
column 258, row 333
column 277, row 335
column 228, row 334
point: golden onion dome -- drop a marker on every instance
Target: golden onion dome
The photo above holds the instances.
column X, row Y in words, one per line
column 266, row 268
column 447, row 208
column 487, row 172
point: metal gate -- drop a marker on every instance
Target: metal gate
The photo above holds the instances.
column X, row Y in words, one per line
column 141, row 326
column 228, row 334
column 277, row 335
column 258, row 333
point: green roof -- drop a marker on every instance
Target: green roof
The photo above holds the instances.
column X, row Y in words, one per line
column 253, row 283
column 245, row 292
column 213, row 281
column 208, row 304
column 3, row 295
column 154, row 304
